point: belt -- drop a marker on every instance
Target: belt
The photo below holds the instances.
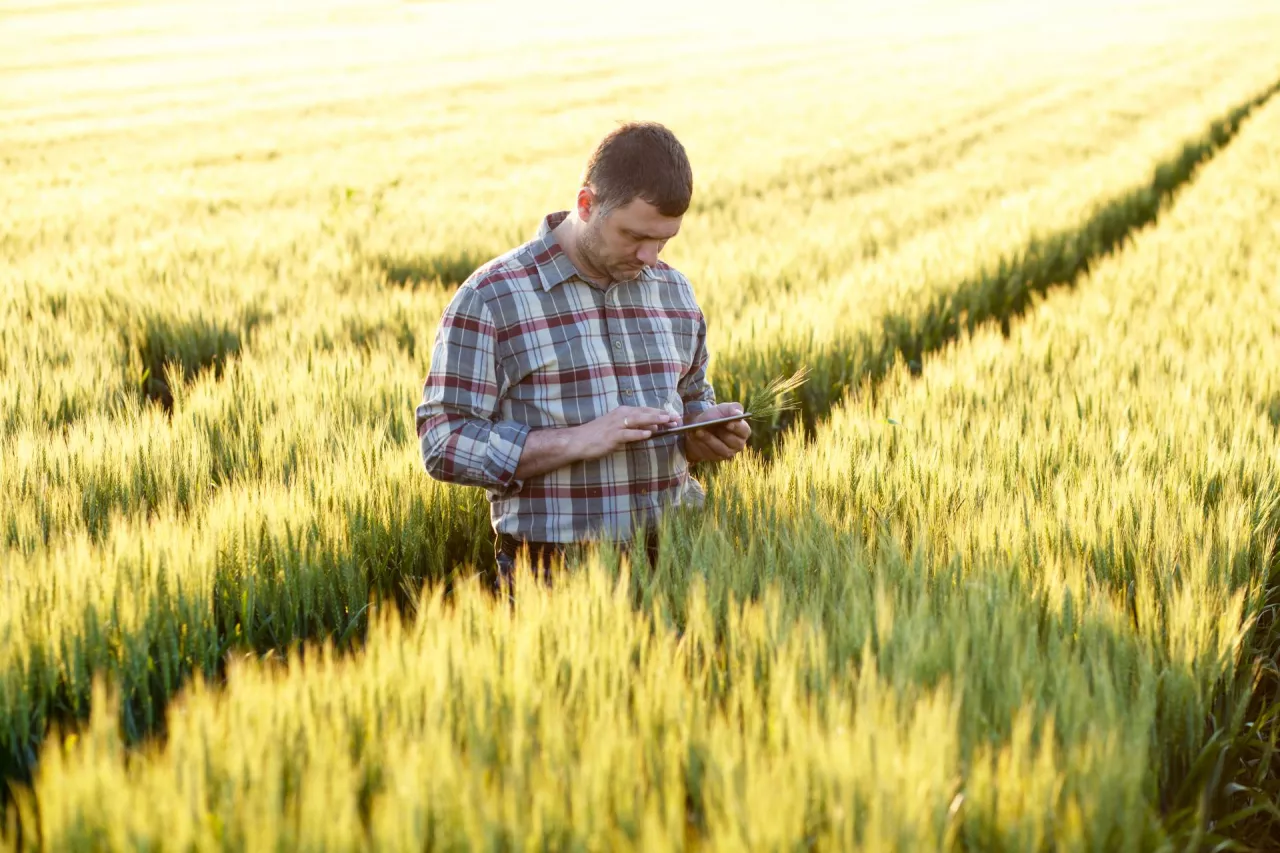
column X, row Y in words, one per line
column 506, row 547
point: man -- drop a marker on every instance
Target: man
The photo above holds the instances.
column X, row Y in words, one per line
column 558, row 365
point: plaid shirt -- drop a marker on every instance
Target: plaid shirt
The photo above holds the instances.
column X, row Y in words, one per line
column 526, row 344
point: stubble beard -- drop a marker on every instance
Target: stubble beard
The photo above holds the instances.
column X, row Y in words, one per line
column 589, row 249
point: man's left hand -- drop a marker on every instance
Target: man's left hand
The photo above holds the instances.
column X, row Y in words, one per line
column 718, row 442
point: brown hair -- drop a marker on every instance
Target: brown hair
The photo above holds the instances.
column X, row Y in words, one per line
column 645, row 160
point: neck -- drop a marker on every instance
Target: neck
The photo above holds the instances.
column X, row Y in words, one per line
column 569, row 235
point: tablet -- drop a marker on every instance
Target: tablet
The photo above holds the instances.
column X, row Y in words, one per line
column 701, row 424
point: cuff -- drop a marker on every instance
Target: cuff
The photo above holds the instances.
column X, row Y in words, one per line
column 506, row 444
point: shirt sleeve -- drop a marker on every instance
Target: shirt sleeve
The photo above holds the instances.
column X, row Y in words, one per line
column 695, row 390
column 462, row 439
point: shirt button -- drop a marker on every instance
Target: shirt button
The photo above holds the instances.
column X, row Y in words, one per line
column 617, row 344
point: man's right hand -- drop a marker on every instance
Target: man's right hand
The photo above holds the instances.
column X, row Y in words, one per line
column 548, row 449
column 610, row 433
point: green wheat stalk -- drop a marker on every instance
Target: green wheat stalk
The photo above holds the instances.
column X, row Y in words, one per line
column 776, row 397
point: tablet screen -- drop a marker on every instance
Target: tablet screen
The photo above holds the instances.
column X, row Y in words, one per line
column 691, row 427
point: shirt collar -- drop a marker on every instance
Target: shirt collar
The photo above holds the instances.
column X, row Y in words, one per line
column 552, row 261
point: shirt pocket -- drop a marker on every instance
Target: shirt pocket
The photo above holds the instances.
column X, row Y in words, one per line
column 672, row 339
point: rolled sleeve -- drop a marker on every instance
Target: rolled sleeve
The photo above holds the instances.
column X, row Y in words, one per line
column 462, row 439
column 695, row 390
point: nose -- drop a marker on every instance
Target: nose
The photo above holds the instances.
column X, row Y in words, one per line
column 648, row 254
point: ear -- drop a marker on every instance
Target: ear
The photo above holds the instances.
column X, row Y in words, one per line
column 586, row 203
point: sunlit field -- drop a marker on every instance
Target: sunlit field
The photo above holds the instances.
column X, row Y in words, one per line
column 1004, row 580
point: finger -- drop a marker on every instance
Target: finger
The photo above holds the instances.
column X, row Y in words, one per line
column 731, row 440
column 715, row 446
column 719, row 410
column 627, row 436
column 642, row 418
column 736, row 430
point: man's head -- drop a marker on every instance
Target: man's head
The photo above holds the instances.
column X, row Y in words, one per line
column 637, row 187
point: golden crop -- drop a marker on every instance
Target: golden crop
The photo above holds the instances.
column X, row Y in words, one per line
column 1002, row 581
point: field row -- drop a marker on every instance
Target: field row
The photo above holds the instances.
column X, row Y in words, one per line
column 996, row 607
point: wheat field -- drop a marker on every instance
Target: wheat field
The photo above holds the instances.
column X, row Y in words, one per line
column 1004, row 580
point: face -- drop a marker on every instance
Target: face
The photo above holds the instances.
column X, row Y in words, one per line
column 627, row 239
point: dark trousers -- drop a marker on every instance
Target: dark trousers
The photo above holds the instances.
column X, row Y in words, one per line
column 543, row 556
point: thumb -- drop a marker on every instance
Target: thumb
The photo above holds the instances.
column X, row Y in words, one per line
column 724, row 410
